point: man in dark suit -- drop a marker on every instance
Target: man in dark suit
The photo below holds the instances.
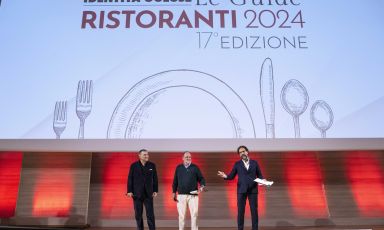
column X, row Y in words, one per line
column 142, row 186
column 247, row 170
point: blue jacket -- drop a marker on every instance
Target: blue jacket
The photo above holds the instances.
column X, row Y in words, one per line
column 245, row 183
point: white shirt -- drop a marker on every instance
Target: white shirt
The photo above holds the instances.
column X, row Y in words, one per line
column 246, row 164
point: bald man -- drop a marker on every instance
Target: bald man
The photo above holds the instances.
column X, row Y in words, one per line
column 185, row 182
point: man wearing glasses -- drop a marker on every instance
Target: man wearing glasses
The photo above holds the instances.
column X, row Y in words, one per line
column 185, row 183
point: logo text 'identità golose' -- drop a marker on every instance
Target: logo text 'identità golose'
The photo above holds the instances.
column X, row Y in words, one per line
column 206, row 2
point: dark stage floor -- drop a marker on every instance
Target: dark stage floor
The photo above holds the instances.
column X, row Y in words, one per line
column 268, row 228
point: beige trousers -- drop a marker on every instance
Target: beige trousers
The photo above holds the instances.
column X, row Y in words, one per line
column 192, row 202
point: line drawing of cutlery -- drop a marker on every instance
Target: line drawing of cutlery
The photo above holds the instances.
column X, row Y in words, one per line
column 294, row 98
column 83, row 103
column 322, row 116
column 60, row 118
column 267, row 97
column 132, row 111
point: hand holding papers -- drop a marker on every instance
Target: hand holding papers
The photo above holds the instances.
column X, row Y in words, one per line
column 263, row 182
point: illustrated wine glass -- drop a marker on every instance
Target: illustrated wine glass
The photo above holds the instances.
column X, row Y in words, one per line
column 321, row 116
column 294, row 98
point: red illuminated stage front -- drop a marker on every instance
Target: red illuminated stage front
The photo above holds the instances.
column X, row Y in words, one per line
column 339, row 188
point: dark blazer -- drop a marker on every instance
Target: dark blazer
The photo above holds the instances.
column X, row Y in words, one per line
column 245, row 183
column 142, row 179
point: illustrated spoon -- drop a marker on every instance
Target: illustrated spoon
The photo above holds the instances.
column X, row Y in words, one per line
column 321, row 117
column 294, row 98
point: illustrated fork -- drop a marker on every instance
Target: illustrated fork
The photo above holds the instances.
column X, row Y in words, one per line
column 83, row 103
column 60, row 118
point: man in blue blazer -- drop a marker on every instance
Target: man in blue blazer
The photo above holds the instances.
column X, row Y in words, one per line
column 247, row 170
column 142, row 186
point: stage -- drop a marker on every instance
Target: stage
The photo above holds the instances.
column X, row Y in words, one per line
column 263, row 228
column 322, row 189
column 199, row 105
column 260, row 228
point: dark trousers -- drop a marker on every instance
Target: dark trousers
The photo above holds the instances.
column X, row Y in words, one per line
column 138, row 203
column 241, row 201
